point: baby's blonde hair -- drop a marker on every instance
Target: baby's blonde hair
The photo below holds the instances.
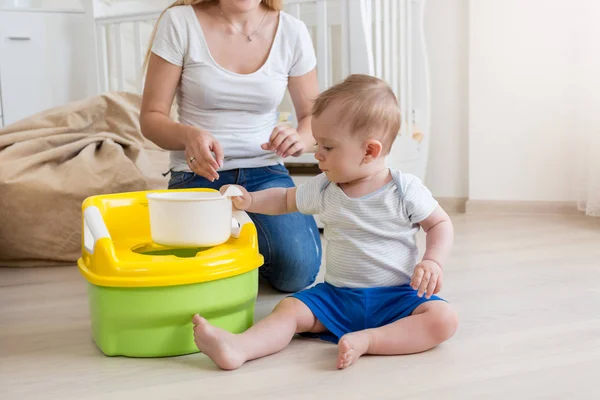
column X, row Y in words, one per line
column 276, row 5
column 370, row 105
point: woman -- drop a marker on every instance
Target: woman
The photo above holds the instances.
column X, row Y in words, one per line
column 229, row 63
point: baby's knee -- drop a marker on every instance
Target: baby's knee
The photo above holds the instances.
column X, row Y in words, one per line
column 444, row 322
column 297, row 311
column 289, row 304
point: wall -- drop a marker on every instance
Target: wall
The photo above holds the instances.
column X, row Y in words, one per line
column 521, row 139
column 446, row 30
column 586, row 103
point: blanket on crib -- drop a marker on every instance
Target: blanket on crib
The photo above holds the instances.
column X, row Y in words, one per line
column 52, row 161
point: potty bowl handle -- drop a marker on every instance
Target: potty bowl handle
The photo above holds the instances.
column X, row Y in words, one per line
column 239, row 218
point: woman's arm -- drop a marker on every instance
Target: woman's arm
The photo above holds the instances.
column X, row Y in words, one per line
column 285, row 140
column 159, row 91
column 156, row 124
column 303, row 91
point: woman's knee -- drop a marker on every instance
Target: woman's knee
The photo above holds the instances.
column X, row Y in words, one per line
column 295, row 263
column 291, row 245
column 295, row 270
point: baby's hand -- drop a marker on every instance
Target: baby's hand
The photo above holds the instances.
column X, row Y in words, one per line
column 427, row 278
column 242, row 202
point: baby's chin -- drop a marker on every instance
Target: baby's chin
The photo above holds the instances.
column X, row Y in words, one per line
column 337, row 179
column 331, row 177
column 340, row 180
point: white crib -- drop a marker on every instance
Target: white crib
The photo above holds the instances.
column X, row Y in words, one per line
column 383, row 38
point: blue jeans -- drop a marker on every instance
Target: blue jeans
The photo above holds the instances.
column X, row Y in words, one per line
column 290, row 243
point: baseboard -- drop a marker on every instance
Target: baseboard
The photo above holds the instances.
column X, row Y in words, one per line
column 521, row 207
column 452, row 204
column 303, row 169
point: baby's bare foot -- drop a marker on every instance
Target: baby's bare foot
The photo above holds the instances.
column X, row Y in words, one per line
column 218, row 344
column 350, row 347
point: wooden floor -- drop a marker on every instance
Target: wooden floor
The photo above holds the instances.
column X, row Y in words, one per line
column 527, row 289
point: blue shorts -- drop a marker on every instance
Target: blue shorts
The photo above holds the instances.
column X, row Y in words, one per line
column 345, row 310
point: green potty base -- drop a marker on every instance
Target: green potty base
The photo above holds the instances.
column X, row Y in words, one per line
column 157, row 321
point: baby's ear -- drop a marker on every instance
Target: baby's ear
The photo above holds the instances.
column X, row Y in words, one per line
column 373, row 150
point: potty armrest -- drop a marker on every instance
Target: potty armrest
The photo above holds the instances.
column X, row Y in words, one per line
column 242, row 219
column 94, row 228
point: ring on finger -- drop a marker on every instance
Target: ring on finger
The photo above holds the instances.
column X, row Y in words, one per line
column 192, row 159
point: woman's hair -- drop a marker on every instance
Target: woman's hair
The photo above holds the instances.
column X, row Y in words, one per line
column 276, row 5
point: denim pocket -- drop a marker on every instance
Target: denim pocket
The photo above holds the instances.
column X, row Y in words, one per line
column 180, row 178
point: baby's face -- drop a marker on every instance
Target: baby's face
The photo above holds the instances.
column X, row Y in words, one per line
column 339, row 153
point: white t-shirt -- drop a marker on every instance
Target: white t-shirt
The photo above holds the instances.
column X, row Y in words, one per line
column 371, row 240
column 240, row 110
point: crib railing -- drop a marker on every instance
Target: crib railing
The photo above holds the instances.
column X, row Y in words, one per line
column 383, row 44
column 117, row 38
column 394, row 24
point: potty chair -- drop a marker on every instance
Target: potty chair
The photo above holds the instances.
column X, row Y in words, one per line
column 142, row 296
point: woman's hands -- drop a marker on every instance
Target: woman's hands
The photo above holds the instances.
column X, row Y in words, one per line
column 285, row 141
column 199, row 146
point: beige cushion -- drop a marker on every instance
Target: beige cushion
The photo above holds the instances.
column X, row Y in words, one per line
column 52, row 161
